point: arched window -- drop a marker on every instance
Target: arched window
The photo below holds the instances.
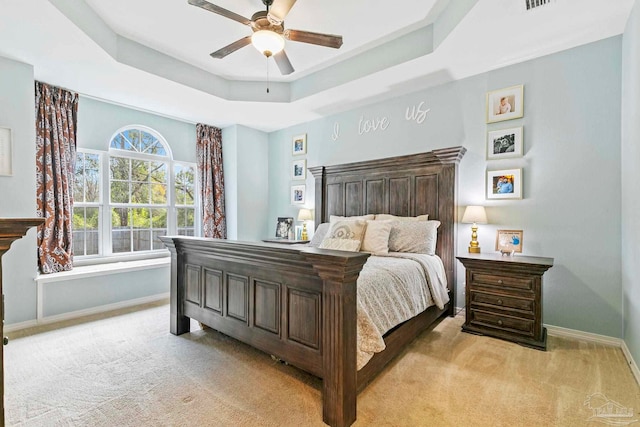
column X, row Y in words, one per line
column 148, row 195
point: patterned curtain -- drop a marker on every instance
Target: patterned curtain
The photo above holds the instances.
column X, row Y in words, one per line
column 56, row 123
column 211, row 180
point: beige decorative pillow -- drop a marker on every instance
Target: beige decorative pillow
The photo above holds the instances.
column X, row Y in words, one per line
column 414, row 236
column 376, row 237
column 344, row 235
column 386, row 217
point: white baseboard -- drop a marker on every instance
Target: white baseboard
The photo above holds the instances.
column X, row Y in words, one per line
column 19, row 326
column 632, row 363
column 85, row 312
column 557, row 331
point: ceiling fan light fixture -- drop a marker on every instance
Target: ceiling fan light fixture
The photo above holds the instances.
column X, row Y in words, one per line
column 267, row 42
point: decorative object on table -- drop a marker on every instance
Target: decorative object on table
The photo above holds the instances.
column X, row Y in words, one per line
column 6, row 152
column 298, row 232
column 298, row 194
column 283, row 227
column 505, row 104
column 504, row 143
column 509, row 241
column 299, row 144
column 504, row 184
column 474, row 215
column 299, row 169
column 304, row 215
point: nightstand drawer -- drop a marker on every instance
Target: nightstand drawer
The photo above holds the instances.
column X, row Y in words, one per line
column 520, row 283
column 500, row 301
column 504, row 323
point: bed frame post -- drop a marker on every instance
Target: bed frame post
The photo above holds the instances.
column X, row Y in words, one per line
column 339, row 336
column 179, row 323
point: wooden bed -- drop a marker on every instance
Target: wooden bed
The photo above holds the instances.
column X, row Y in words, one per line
column 299, row 303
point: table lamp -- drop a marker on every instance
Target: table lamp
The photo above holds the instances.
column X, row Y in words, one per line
column 474, row 215
column 304, row 215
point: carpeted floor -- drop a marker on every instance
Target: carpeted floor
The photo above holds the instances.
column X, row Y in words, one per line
column 128, row 370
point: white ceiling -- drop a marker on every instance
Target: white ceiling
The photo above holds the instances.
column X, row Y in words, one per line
column 154, row 54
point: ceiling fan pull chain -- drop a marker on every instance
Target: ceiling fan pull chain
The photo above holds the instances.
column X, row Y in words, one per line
column 267, row 58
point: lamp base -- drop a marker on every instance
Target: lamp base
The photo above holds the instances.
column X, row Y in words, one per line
column 474, row 250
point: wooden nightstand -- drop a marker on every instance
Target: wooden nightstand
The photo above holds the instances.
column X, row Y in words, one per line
column 503, row 297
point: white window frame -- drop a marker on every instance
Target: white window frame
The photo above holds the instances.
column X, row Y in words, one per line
column 106, row 254
column 99, row 204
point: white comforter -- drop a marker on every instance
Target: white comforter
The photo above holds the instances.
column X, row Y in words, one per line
column 392, row 289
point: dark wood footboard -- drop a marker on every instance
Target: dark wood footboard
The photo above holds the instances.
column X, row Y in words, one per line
column 297, row 304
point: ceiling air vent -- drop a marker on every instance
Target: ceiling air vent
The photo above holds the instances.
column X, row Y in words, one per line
column 532, row 4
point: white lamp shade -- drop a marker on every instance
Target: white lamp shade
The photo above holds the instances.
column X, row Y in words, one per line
column 305, row 215
column 474, row 214
column 267, row 42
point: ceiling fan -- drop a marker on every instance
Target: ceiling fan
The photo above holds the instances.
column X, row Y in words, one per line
column 268, row 32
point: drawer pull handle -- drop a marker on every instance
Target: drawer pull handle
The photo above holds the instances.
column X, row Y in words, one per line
column 500, row 322
column 499, row 282
column 499, row 302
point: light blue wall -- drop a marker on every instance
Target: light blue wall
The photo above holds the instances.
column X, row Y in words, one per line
column 17, row 192
column 59, row 298
column 572, row 196
column 98, row 121
column 630, row 180
column 230, row 167
column 245, row 152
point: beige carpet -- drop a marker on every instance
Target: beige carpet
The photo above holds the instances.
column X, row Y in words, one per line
column 128, row 370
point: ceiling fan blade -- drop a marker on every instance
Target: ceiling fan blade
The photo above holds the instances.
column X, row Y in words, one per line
column 221, row 53
column 328, row 40
column 283, row 63
column 279, row 10
column 220, row 11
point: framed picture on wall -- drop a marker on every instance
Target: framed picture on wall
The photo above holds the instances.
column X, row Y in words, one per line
column 504, row 143
column 299, row 169
column 505, row 104
column 509, row 241
column 504, row 184
column 299, row 144
column 298, row 194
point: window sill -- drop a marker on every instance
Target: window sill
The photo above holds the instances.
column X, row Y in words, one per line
column 101, row 269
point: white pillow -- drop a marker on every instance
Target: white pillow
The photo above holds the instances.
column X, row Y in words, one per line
column 376, row 237
column 414, row 236
column 385, row 217
column 345, row 235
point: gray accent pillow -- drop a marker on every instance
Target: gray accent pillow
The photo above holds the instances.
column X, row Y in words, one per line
column 319, row 235
column 414, row 236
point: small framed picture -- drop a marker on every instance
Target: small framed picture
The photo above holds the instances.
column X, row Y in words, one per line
column 298, row 232
column 509, row 241
column 283, row 227
column 504, row 143
column 298, row 194
column 505, row 104
column 504, row 184
column 299, row 144
column 299, row 169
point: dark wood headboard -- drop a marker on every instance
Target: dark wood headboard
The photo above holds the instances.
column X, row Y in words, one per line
column 417, row 184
